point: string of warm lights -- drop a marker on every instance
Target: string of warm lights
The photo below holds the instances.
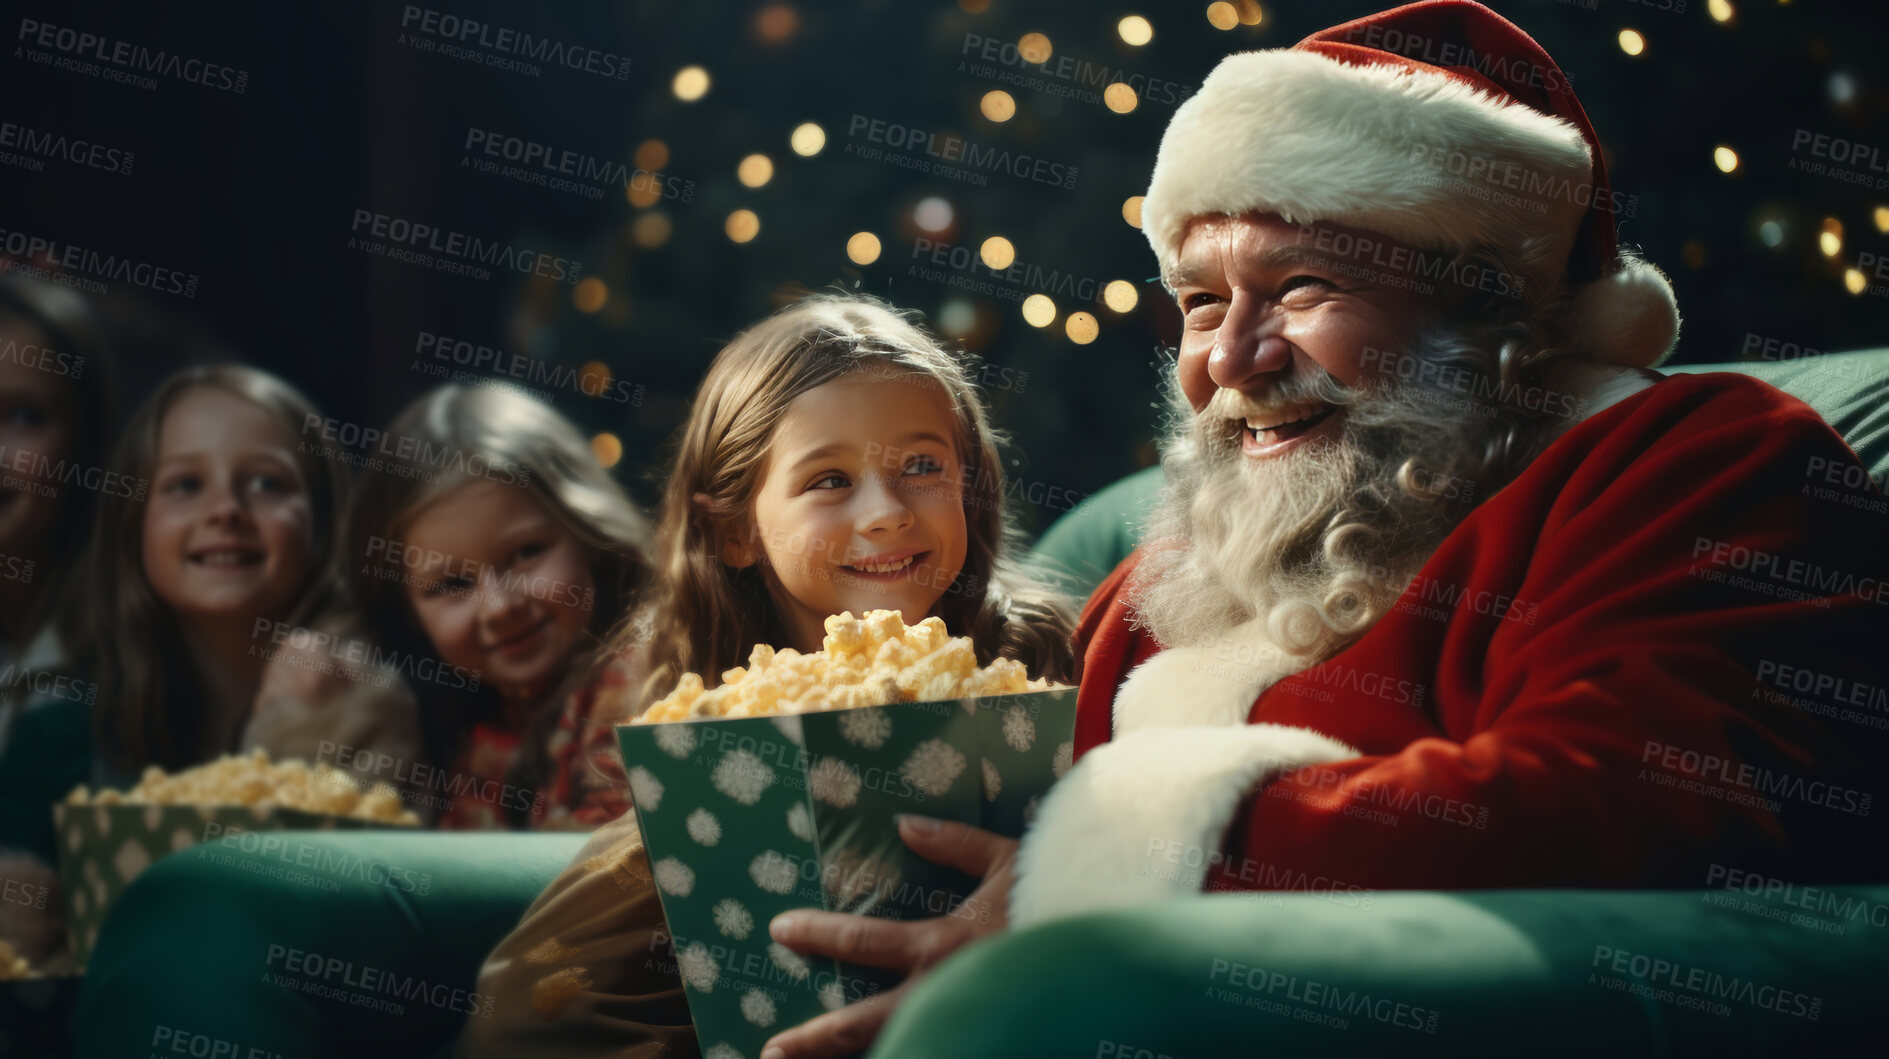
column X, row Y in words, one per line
column 936, row 214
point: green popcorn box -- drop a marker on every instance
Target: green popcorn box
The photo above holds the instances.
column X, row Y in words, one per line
column 747, row 818
column 102, row 848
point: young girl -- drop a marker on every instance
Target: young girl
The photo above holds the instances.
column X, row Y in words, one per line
column 57, row 417
column 57, row 420
column 495, row 552
column 836, row 458
column 215, row 529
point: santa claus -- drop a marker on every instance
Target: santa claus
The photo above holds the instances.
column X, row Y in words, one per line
column 1446, row 587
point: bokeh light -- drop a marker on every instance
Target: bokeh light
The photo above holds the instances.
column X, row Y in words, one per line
column 1120, row 296
column 1039, row 311
column 862, row 248
column 933, row 214
column 776, row 22
column 742, row 226
column 807, row 139
column 997, row 253
column 589, row 294
column 998, row 105
column 1081, row 328
column 652, row 229
column 1135, row 30
column 594, row 378
column 755, row 170
column 691, row 84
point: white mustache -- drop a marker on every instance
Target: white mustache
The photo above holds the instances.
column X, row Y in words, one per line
column 1294, row 394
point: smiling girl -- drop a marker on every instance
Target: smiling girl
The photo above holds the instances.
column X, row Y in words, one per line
column 836, row 458
column 494, row 552
column 217, row 533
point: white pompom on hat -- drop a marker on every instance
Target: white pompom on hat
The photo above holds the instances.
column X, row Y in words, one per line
column 1440, row 124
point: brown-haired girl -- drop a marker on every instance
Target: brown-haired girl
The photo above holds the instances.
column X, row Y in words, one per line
column 836, row 458
column 215, row 531
column 494, row 552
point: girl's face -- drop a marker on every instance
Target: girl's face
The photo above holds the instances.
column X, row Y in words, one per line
column 37, row 413
column 228, row 530
column 862, row 504
column 501, row 588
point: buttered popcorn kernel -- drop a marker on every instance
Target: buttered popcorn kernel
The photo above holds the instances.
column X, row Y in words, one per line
column 871, row 661
column 252, row 779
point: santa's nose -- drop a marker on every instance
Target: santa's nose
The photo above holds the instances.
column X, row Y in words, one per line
column 1247, row 346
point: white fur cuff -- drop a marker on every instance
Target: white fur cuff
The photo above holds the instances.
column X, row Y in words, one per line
column 1140, row 818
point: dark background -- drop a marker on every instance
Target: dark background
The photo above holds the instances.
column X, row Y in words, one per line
column 255, row 192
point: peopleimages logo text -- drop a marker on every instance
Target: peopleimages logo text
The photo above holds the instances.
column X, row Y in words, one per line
column 474, row 33
column 413, row 235
column 84, row 46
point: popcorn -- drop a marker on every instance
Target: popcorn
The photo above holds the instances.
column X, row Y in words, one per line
column 874, row 660
column 250, row 779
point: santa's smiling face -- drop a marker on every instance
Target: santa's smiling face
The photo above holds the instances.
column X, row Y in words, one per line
column 1266, row 306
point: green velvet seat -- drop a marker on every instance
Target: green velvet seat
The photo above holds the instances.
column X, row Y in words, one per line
column 190, row 946
column 1496, row 973
column 327, row 944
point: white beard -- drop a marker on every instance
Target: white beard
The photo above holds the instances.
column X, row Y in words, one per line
column 1257, row 569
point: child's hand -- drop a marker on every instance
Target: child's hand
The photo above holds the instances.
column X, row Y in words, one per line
column 914, row 947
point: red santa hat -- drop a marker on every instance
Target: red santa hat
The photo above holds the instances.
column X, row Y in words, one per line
column 1440, row 124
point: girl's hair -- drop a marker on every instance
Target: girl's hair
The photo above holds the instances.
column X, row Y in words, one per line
column 150, row 699
column 458, row 434
column 67, row 325
column 703, row 616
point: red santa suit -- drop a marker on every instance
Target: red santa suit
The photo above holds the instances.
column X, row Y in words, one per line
column 1657, row 650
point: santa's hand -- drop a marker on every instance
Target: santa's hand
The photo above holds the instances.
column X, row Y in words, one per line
column 914, row 947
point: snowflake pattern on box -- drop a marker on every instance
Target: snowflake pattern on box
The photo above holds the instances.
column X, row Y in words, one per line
column 722, row 1051
column 703, row 827
column 698, row 967
column 834, row 782
column 757, row 1007
column 742, row 776
column 788, row 960
column 993, row 783
column 1065, row 757
column 773, row 871
column 866, row 728
column 733, row 918
column 676, row 740
column 645, row 788
column 790, row 727
column 674, row 877
column 800, row 822
column 1019, row 729
column 933, row 767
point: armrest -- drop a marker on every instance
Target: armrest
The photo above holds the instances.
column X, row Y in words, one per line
column 1458, row 974
column 306, row 943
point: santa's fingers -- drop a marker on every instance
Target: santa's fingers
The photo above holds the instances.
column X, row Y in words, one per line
column 848, row 1031
column 864, row 940
column 971, row 850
